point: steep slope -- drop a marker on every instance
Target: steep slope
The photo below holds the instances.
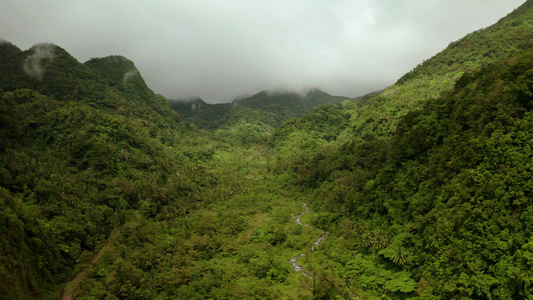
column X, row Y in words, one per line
column 502, row 40
column 120, row 74
column 452, row 190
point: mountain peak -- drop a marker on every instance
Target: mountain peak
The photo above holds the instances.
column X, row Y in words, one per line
column 7, row 50
column 115, row 68
column 121, row 73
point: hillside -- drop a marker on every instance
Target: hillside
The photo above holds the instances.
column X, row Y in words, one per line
column 430, row 181
column 200, row 113
column 509, row 36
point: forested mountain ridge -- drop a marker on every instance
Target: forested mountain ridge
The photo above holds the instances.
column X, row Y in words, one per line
column 102, row 82
column 121, row 73
column 201, row 113
column 64, row 74
column 279, row 106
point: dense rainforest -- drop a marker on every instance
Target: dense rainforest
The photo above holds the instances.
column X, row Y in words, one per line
column 110, row 191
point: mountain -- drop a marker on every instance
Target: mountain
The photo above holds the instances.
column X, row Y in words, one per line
column 49, row 69
column 276, row 106
column 446, row 199
column 81, row 149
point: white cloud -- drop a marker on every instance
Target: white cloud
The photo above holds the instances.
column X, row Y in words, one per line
column 33, row 64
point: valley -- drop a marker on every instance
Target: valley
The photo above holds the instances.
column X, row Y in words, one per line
column 421, row 191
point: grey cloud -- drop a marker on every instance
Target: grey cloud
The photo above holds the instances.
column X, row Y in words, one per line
column 218, row 50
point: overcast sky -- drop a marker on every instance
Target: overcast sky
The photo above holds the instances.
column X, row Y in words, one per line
column 220, row 49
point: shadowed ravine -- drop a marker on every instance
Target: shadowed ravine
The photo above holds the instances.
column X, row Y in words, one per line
column 294, row 261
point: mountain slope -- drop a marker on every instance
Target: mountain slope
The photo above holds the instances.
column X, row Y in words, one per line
column 200, row 113
column 78, row 157
column 452, row 190
column 428, row 80
column 428, row 193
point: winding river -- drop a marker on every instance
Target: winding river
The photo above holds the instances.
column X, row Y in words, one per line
column 294, row 261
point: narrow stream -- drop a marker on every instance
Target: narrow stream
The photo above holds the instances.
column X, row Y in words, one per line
column 294, row 261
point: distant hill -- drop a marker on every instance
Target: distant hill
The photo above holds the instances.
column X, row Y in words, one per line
column 201, row 114
column 276, row 106
column 369, row 95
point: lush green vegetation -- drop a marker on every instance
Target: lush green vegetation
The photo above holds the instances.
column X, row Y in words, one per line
column 425, row 189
